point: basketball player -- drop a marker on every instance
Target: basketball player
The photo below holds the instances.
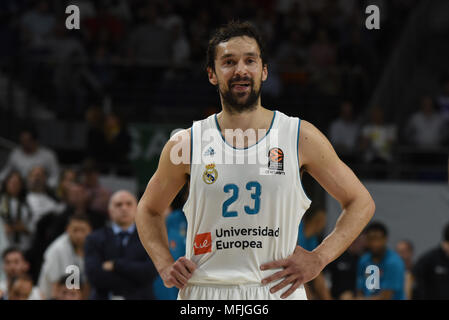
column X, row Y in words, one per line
column 243, row 218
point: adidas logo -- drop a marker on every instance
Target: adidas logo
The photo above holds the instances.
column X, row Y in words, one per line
column 209, row 152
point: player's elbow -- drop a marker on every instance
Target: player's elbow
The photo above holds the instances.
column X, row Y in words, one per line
column 144, row 210
column 370, row 206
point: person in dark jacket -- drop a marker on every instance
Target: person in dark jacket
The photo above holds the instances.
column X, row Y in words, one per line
column 431, row 272
column 117, row 265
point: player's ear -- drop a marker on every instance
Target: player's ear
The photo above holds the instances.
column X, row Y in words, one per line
column 264, row 72
column 212, row 76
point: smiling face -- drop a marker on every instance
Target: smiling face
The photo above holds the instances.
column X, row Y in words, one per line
column 238, row 73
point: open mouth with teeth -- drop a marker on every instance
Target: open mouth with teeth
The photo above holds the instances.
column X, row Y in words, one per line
column 240, row 86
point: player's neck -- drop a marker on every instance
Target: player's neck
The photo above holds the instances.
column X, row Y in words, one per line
column 258, row 118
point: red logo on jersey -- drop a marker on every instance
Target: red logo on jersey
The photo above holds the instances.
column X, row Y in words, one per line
column 203, row 243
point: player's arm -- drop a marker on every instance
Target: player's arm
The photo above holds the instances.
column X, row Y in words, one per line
column 322, row 163
column 319, row 159
column 165, row 184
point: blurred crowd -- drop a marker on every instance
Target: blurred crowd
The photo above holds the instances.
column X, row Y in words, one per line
column 63, row 235
column 372, row 140
column 315, row 48
column 370, row 270
column 323, row 66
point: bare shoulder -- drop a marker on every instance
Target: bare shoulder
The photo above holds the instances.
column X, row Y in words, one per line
column 182, row 136
column 310, row 133
column 313, row 144
column 176, row 152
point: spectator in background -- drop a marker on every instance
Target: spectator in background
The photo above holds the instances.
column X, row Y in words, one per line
column 118, row 142
column 66, row 250
column 108, row 140
column 21, row 288
column 425, row 127
column 121, row 10
column 404, row 249
column 45, row 209
column 378, row 138
column 68, row 57
column 40, row 198
column 311, row 226
column 344, row 132
column 37, row 24
column 322, row 52
column 15, row 213
column 31, row 154
column 391, row 267
column 63, row 292
column 176, row 232
column 77, row 203
column 15, row 265
column 103, row 22
column 117, row 265
column 97, row 195
column 322, row 58
column 143, row 51
column 52, row 225
column 343, row 270
column 292, row 52
column 431, row 271
column 68, row 176
column 86, row 7
column 180, row 46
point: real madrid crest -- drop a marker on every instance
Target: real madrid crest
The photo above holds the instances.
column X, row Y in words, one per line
column 211, row 174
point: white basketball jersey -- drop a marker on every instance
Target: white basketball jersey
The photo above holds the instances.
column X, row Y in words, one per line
column 244, row 205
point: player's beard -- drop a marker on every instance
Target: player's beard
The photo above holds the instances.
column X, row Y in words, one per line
column 231, row 100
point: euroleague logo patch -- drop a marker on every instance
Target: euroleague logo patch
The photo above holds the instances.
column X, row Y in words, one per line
column 276, row 159
column 202, row 243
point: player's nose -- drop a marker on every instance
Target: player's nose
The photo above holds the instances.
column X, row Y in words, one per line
column 241, row 69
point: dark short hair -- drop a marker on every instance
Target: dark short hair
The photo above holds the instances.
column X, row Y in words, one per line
column 12, row 250
column 231, row 30
column 30, row 129
column 377, row 226
column 446, row 233
column 79, row 217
